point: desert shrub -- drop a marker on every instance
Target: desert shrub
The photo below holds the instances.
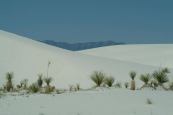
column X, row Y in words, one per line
column 40, row 80
column 126, row 85
column 118, row 85
column 98, row 78
column 148, row 101
column 145, row 78
column 78, row 87
column 48, row 80
column 161, row 76
column 109, row 81
column 34, row 88
column 9, row 84
column 133, row 75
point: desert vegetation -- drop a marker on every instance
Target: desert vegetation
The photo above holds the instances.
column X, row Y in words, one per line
column 9, row 85
column 100, row 79
column 132, row 76
column 109, row 81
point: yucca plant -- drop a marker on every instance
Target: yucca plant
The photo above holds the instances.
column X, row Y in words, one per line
column 34, row 88
column 145, row 78
column 109, row 81
column 9, row 84
column 133, row 75
column 48, row 80
column 98, row 78
column 126, row 84
column 48, row 65
column 40, row 80
column 161, row 76
column 78, row 87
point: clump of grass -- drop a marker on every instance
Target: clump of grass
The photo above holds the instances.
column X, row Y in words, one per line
column 78, row 87
column 109, row 81
column 148, row 101
column 48, row 80
column 9, row 84
column 40, row 80
column 34, row 88
column 126, row 85
column 145, row 78
column 98, row 78
column 161, row 76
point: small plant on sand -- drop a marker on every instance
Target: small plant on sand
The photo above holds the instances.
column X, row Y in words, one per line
column 48, row 88
column 78, row 87
column 145, row 78
column 109, row 81
column 148, row 101
column 98, row 78
column 126, row 85
column 34, row 88
column 161, row 76
column 40, row 80
column 133, row 75
column 48, row 80
column 9, row 84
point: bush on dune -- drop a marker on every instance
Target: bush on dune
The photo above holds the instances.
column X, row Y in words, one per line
column 40, row 80
column 126, row 85
column 161, row 76
column 98, row 78
column 109, row 81
column 145, row 78
column 9, row 84
column 34, row 88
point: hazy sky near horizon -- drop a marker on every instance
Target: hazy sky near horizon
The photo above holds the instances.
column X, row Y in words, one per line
column 129, row 21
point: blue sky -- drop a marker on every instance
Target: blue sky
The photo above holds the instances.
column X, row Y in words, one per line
column 129, row 21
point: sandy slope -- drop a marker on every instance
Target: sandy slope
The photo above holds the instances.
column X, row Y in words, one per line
column 108, row 102
column 27, row 58
column 150, row 54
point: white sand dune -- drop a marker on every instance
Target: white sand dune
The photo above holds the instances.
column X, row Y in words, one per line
column 27, row 58
column 160, row 55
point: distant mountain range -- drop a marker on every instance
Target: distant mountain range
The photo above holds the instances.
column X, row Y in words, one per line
column 80, row 46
